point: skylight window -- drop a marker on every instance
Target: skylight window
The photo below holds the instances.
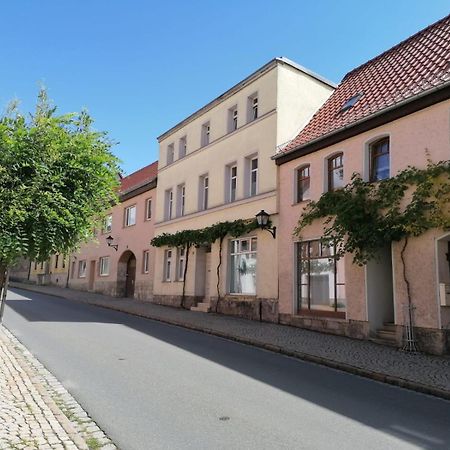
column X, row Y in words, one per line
column 351, row 102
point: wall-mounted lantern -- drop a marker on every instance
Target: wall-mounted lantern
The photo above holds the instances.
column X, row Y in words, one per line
column 263, row 222
column 109, row 241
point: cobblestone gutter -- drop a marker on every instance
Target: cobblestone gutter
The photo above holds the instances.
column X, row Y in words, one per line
column 36, row 411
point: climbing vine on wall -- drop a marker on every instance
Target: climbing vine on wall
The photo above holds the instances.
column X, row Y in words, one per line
column 363, row 217
column 203, row 237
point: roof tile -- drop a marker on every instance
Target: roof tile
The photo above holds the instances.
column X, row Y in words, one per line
column 139, row 177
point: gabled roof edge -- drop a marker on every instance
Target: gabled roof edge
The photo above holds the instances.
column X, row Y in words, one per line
column 435, row 95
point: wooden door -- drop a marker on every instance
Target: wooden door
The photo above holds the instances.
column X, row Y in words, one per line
column 131, row 276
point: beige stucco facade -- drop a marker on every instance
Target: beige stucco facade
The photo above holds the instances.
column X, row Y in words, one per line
column 286, row 97
column 413, row 139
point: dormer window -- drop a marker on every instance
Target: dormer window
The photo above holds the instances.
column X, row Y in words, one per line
column 351, row 102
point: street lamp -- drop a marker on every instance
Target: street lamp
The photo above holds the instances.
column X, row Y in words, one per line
column 109, row 241
column 263, row 222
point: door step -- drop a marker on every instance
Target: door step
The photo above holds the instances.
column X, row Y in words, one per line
column 389, row 326
column 386, row 335
column 202, row 307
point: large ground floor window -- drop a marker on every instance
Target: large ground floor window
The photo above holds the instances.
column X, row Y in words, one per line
column 243, row 266
column 320, row 279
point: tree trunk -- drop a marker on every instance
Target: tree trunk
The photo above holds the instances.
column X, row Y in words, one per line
column 4, row 281
column 405, row 278
column 68, row 272
column 218, row 272
column 410, row 340
column 188, row 246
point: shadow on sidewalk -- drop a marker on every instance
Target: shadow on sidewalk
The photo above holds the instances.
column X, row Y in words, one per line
column 415, row 418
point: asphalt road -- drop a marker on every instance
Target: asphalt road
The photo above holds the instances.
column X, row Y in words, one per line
column 155, row 386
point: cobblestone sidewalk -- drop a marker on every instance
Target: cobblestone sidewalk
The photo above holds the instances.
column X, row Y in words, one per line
column 424, row 373
column 36, row 411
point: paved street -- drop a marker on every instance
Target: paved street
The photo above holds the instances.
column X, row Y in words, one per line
column 155, row 386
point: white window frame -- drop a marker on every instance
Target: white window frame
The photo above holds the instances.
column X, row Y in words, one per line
column 146, row 261
column 181, row 200
column 170, row 154
column 252, row 107
column 233, row 178
column 168, row 204
column 182, row 147
column 107, row 224
column 232, row 119
column 203, row 192
column 181, row 261
column 251, row 240
column 253, row 171
column 168, row 259
column 104, row 266
column 82, row 266
column 127, row 222
column 206, row 134
column 148, row 208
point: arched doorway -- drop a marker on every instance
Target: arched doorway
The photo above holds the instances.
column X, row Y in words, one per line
column 126, row 274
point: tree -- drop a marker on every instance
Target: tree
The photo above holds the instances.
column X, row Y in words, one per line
column 57, row 178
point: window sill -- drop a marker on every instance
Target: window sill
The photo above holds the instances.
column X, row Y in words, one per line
column 301, row 202
column 318, row 313
column 249, row 296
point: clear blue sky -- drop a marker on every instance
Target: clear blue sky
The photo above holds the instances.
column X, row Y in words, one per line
column 141, row 66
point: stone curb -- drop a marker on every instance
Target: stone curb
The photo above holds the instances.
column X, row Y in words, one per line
column 376, row 376
column 39, row 376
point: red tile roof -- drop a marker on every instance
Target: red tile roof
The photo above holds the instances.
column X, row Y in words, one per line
column 412, row 67
column 139, row 178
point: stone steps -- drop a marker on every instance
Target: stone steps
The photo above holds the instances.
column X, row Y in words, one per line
column 386, row 335
column 201, row 307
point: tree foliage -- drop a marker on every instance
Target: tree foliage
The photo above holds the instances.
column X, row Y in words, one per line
column 363, row 217
column 57, row 177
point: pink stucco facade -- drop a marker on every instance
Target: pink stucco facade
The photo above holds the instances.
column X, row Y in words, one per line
column 413, row 139
column 127, row 262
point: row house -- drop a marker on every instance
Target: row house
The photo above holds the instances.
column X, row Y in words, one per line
column 389, row 113
column 120, row 261
column 215, row 166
